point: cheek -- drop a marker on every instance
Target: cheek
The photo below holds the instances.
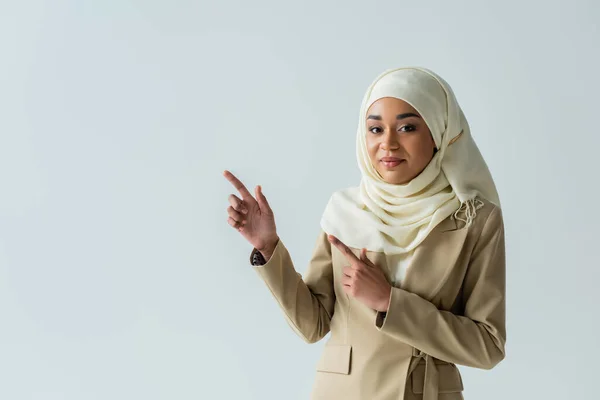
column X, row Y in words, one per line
column 372, row 148
column 420, row 147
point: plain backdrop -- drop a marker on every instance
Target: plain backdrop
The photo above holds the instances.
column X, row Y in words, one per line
column 120, row 277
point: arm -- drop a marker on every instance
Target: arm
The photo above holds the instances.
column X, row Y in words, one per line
column 475, row 339
column 307, row 303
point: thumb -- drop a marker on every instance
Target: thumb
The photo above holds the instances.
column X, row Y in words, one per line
column 262, row 200
column 364, row 258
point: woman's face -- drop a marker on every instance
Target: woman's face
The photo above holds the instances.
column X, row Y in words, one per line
column 395, row 129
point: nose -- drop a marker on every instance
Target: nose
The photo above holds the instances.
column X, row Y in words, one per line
column 390, row 140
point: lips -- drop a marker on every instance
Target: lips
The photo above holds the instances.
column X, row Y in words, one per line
column 390, row 159
column 391, row 164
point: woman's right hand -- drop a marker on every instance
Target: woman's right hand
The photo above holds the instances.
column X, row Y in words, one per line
column 253, row 218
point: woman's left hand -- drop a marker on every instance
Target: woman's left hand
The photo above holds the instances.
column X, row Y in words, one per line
column 363, row 279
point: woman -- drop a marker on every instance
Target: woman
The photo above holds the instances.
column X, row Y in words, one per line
column 408, row 272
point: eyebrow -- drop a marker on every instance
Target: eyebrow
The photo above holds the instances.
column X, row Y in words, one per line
column 399, row 116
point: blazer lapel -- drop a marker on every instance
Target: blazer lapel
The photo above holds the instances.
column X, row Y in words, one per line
column 433, row 260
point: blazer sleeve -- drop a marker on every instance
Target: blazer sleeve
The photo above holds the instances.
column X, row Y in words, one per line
column 477, row 338
column 307, row 303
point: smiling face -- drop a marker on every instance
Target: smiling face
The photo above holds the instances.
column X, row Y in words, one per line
column 396, row 131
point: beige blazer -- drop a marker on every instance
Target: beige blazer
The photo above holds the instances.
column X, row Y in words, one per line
column 450, row 310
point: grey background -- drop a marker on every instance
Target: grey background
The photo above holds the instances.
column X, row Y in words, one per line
column 119, row 275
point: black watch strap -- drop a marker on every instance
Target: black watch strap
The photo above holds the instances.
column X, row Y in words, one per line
column 256, row 258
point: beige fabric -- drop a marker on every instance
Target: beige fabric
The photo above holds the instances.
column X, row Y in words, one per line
column 450, row 311
column 395, row 219
column 399, row 265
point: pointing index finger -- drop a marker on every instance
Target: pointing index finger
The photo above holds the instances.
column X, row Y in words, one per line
column 343, row 248
column 237, row 184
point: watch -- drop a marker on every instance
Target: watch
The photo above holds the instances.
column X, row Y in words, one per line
column 256, row 258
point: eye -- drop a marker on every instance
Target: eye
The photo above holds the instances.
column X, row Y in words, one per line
column 408, row 128
column 374, row 127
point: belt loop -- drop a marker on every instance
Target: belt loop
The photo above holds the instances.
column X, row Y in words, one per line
column 431, row 389
column 431, row 382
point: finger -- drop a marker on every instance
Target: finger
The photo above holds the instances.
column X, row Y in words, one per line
column 345, row 250
column 349, row 290
column 347, row 271
column 235, row 224
column 236, row 216
column 364, row 258
column 262, row 200
column 346, row 281
column 238, row 204
column 238, row 185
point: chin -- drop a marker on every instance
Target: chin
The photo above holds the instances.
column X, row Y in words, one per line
column 400, row 181
column 395, row 179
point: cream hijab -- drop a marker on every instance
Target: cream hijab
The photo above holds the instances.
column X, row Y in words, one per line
column 393, row 218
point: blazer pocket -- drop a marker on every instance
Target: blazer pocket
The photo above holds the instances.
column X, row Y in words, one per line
column 335, row 358
column 450, row 380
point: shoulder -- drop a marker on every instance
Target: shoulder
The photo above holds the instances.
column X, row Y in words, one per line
column 343, row 200
column 347, row 193
column 488, row 210
column 488, row 220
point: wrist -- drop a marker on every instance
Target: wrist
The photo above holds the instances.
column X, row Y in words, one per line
column 385, row 305
column 268, row 250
